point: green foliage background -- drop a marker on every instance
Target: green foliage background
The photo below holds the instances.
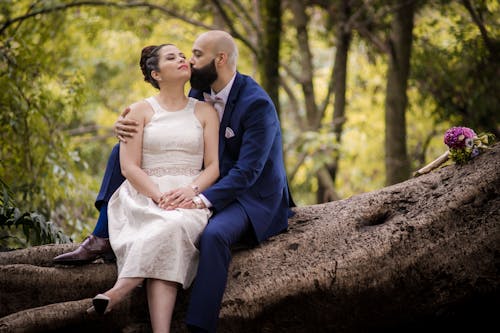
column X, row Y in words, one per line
column 65, row 76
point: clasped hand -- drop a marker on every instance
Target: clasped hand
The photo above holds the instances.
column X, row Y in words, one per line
column 181, row 197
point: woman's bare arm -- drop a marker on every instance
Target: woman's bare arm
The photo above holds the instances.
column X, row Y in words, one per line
column 131, row 154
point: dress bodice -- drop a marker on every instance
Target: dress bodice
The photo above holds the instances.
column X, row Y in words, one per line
column 172, row 141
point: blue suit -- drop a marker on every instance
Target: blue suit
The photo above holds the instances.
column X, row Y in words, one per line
column 251, row 199
column 252, row 171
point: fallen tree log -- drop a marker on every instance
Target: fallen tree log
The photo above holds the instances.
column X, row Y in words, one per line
column 419, row 254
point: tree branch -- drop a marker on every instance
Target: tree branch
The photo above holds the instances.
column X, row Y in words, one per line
column 242, row 12
column 84, row 129
column 367, row 8
column 328, row 184
column 480, row 24
column 291, row 73
column 243, row 20
column 301, row 159
column 232, row 28
column 326, row 101
column 142, row 4
column 96, row 3
column 301, row 122
column 376, row 41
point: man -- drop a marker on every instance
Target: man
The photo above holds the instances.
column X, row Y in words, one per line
column 251, row 199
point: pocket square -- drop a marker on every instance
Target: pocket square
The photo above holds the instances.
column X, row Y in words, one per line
column 229, row 133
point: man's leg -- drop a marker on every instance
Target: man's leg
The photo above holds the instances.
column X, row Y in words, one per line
column 101, row 227
column 224, row 229
column 97, row 244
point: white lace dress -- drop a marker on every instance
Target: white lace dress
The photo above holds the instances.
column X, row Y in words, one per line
column 148, row 241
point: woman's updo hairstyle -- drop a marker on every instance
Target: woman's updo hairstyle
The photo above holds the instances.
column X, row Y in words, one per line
column 150, row 58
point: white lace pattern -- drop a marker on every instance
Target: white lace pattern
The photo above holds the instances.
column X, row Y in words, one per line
column 171, row 171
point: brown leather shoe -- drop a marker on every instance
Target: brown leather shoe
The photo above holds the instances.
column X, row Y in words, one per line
column 92, row 248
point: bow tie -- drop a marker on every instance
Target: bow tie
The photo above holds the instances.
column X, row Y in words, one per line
column 213, row 100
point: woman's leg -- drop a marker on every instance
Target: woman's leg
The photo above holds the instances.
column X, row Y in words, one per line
column 161, row 302
column 121, row 289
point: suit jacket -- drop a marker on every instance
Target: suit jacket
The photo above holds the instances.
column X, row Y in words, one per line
column 252, row 170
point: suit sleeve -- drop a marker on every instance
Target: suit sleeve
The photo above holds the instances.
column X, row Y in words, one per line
column 260, row 127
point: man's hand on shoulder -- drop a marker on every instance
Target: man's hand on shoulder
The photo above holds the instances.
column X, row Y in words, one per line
column 125, row 128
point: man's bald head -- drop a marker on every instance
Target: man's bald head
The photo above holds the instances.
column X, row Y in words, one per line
column 219, row 41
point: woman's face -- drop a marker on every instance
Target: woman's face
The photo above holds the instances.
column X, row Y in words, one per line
column 172, row 64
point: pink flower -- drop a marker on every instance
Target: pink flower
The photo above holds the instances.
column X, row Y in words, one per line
column 457, row 137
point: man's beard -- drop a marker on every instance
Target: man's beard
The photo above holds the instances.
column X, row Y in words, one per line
column 202, row 78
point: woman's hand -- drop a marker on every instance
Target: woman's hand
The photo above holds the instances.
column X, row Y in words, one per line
column 125, row 128
column 178, row 198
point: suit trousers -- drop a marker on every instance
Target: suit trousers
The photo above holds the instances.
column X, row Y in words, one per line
column 111, row 181
column 224, row 229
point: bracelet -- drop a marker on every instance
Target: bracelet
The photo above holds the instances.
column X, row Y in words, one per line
column 195, row 188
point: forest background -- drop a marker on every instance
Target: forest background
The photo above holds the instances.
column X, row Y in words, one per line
column 365, row 90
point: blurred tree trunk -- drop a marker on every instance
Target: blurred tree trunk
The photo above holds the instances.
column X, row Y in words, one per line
column 396, row 157
column 339, row 79
column 305, row 78
column 269, row 57
column 315, row 112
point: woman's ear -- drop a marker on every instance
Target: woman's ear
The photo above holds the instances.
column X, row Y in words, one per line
column 155, row 75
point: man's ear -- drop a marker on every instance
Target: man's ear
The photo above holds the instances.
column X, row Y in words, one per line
column 221, row 58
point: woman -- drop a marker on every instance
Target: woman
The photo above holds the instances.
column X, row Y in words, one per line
column 177, row 136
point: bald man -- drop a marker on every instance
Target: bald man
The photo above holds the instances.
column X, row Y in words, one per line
column 251, row 200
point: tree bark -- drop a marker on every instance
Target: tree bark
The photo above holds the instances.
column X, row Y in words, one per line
column 419, row 255
column 396, row 157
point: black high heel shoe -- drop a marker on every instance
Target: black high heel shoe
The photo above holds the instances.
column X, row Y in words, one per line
column 101, row 303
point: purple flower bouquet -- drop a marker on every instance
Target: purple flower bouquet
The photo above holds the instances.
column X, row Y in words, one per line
column 463, row 145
